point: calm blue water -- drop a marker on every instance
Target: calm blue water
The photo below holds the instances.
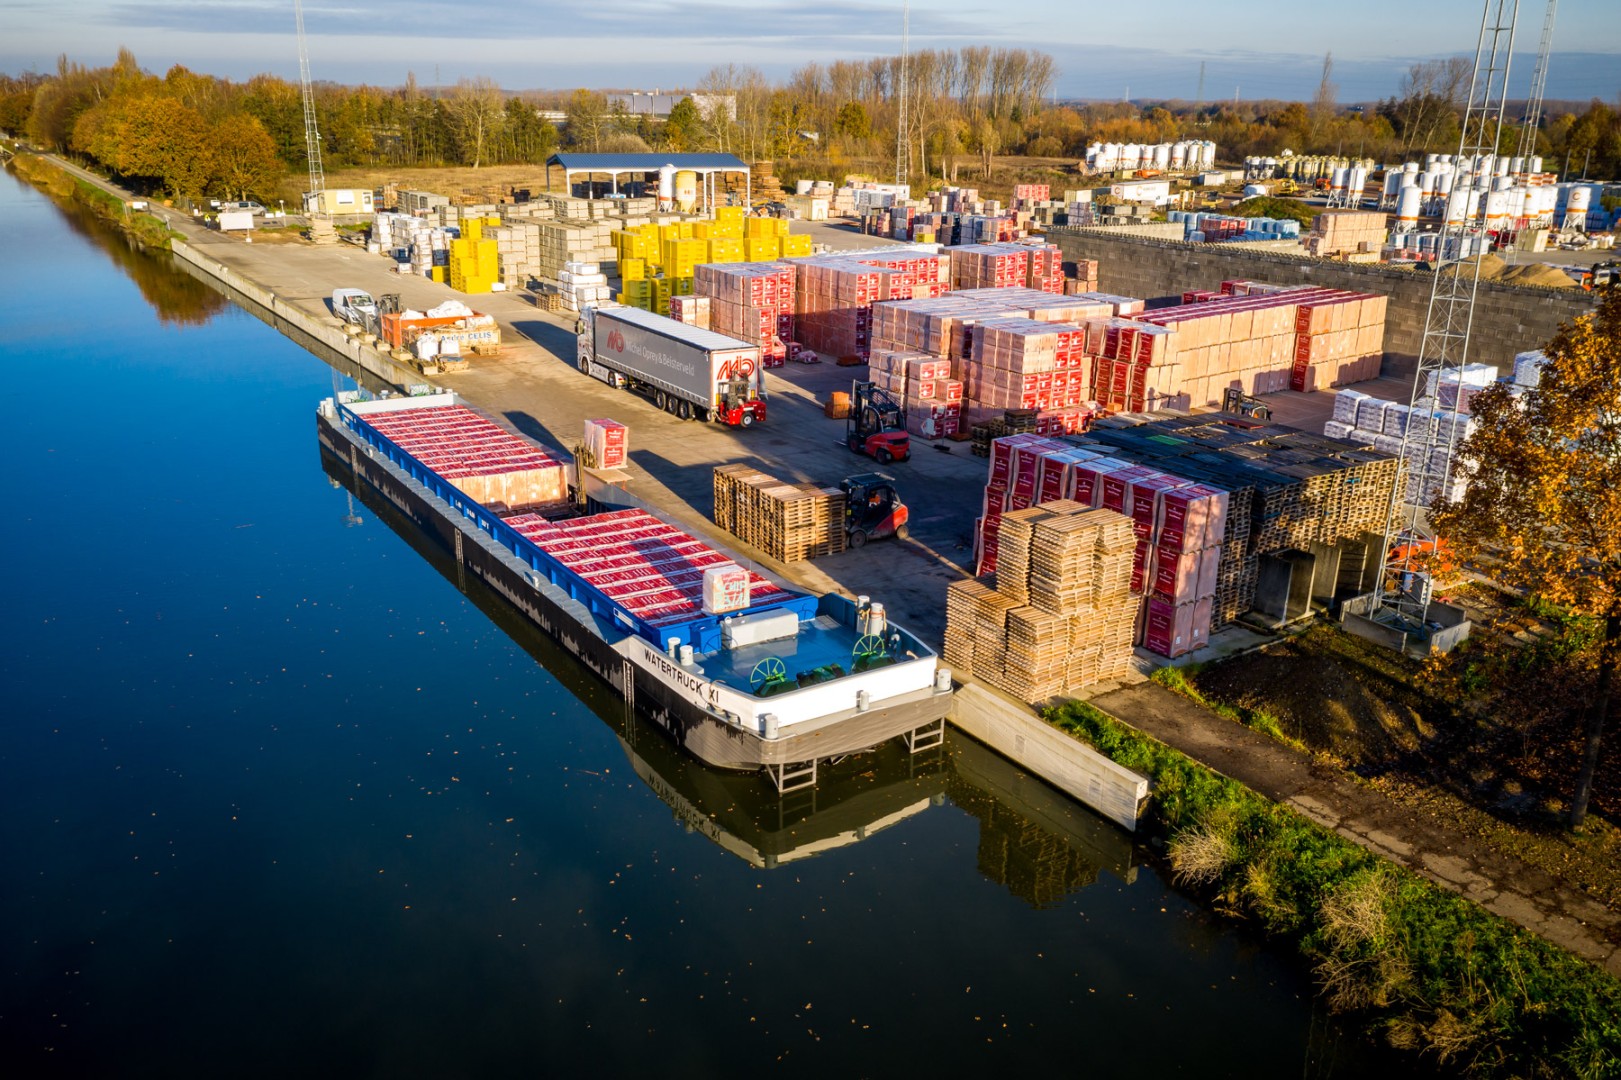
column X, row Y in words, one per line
column 277, row 799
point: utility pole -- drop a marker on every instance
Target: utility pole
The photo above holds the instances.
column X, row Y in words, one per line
column 1199, row 104
column 1402, row 598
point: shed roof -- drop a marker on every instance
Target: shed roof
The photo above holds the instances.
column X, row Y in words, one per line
column 648, row 162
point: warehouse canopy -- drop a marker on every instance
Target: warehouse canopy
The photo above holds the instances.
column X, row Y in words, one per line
column 643, row 163
column 613, row 166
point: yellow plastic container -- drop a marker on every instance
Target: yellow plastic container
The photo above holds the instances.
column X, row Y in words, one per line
column 632, row 269
column 729, row 213
column 681, row 286
column 796, row 245
column 762, row 248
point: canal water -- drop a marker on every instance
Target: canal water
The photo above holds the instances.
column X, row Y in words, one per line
column 278, row 797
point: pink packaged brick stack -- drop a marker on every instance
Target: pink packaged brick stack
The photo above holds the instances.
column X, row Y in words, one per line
column 491, row 464
column 989, row 266
column 753, row 302
column 692, row 310
column 1021, row 363
column 1185, row 356
column 834, row 296
column 608, row 441
column 1178, row 526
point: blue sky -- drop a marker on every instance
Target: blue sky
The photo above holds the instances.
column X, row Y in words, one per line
column 1153, row 48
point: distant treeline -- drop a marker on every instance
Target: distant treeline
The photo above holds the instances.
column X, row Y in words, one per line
column 188, row 134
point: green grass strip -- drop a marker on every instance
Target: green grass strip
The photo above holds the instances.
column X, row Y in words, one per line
column 1426, row 969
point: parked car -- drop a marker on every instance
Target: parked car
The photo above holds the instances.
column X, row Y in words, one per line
column 251, row 207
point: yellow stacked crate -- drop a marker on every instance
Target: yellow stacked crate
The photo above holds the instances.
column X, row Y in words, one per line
column 474, row 262
column 680, row 256
column 729, row 214
column 472, row 229
column 796, row 245
column 681, row 286
column 726, row 250
column 638, row 294
column 661, row 295
column 632, row 269
column 762, row 249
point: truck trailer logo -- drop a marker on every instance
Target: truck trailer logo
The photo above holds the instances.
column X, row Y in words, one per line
column 741, row 367
column 616, row 341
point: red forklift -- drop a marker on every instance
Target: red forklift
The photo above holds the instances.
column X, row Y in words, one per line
column 872, row 508
column 877, row 425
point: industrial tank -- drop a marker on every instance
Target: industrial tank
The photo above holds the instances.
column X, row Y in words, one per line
column 1407, row 207
column 686, row 190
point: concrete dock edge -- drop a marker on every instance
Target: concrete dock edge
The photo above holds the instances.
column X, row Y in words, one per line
column 1016, row 732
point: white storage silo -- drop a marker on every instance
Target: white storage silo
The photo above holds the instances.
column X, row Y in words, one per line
column 1162, row 156
column 1179, row 155
column 1461, row 206
column 1408, row 204
column 1516, row 166
column 1496, row 211
column 1536, row 163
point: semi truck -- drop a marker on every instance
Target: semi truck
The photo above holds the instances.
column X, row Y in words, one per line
column 691, row 372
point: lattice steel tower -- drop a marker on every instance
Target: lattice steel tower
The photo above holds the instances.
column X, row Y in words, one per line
column 321, row 230
column 903, row 137
column 1539, row 82
column 1403, row 596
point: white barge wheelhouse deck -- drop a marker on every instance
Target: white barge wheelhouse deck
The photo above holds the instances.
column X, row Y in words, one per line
column 781, row 683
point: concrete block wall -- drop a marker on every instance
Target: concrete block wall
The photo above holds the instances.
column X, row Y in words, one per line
column 1508, row 318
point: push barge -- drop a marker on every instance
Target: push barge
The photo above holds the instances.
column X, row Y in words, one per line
column 742, row 672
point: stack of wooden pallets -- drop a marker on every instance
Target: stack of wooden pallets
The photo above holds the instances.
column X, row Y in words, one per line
column 789, row 522
column 1062, row 614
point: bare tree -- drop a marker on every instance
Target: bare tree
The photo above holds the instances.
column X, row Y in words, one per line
column 479, row 109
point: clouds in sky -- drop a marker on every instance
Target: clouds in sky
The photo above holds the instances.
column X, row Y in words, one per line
column 1154, row 48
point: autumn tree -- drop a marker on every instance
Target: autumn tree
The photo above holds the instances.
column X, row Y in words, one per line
column 477, row 107
column 588, row 120
column 1544, row 496
column 244, row 157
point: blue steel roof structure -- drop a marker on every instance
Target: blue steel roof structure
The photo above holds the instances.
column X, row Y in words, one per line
column 623, row 163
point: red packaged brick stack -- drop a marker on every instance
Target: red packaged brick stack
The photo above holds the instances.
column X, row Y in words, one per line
column 1046, row 269
column 1032, row 193
column 608, row 441
column 989, row 266
column 1177, row 525
column 692, row 310
column 652, row 570
column 935, row 327
column 834, row 297
column 753, row 302
column 490, row 464
column 1339, row 339
column 1259, row 342
column 1132, row 366
column 1085, row 279
column 1040, row 305
column 1024, row 364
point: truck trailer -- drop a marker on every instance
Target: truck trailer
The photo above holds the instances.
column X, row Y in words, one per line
column 685, row 370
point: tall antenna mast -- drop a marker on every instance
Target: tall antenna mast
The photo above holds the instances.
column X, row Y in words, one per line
column 321, row 230
column 903, row 141
column 1539, row 82
column 1197, row 105
column 1403, row 595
